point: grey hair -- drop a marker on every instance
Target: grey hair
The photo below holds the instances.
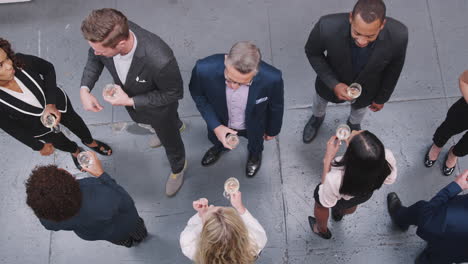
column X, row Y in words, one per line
column 244, row 56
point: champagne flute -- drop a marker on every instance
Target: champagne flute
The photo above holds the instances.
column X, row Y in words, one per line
column 232, row 140
column 49, row 122
column 354, row 91
column 231, row 186
column 85, row 159
column 110, row 91
column 343, row 132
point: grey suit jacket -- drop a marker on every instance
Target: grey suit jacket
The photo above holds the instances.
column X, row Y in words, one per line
column 153, row 80
column 329, row 52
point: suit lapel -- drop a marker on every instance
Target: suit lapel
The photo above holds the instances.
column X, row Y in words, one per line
column 254, row 90
column 138, row 62
column 220, row 92
column 346, row 49
column 113, row 71
column 18, row 104
column 380, row 46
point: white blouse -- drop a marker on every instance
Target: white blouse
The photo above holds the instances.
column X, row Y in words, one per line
column 26, row 96
column 329, row 191
column 189, row 237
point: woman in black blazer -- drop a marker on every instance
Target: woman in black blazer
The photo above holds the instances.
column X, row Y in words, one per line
column 28, row 90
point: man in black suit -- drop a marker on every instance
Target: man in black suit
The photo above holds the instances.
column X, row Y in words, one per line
column 362, row 47
column 148, row 78
column 442, row 222
column 239, row 94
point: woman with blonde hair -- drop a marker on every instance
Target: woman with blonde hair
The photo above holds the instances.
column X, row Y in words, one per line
column 222, row 235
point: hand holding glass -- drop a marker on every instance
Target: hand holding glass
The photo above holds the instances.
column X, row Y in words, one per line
column 231, row 186
column 49, row 122
column 232, row 140
column 354, row 91
column 110, row 91
column 85, row 159
column 343, row 132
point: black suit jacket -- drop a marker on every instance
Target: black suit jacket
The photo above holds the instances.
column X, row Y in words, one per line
column 329, row 52
column 265, row 102
column 22, row 120
column 107, row 212
column 153, row 80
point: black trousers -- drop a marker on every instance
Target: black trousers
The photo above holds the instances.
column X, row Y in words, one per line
column 456, row 122
column 75, row 124
column 167, row 125
column 255, row 145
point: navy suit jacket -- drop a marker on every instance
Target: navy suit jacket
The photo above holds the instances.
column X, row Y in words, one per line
column 107, row 212
column 444, row 224
column 265, row 103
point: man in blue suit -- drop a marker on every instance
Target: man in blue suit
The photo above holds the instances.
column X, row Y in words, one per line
column 442, row 222
column 237, row 93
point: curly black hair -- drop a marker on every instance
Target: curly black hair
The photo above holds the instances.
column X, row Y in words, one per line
column 6, row 46
column 53, row 193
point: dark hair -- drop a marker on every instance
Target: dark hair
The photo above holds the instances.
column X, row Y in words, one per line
column 370, row 10
column 365, row 165
column 53, row 193
column 105, row 25
column 6, row 46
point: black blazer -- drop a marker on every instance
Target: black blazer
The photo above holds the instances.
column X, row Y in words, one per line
column 107, row 212
column 22, row 120
column 265, row 103
column 329, row 52
column 153, row 80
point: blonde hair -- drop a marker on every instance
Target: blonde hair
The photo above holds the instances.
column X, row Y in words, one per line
column 225, row 240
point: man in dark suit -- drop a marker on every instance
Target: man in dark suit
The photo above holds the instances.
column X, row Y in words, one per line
column 442, row 222
column 238, row 94
column 148, row 78
column 362, row 47
column 95, row 208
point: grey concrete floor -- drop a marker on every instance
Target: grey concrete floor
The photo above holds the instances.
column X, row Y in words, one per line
column 281, row 195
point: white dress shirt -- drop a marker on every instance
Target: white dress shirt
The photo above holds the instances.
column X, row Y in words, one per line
column 26, row 96
column 189, row 237
column 122, row 62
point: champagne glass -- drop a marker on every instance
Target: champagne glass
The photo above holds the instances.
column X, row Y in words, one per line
column 354, row 91
column 232, row 140
column 110, row 90
column 85, row 159
column 231, row 186
column 49, row 122
column 343, row 132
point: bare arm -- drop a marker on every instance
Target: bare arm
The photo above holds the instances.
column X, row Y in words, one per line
column 463, row 81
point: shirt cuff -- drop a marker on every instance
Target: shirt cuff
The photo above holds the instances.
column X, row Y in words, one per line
column 86, row 87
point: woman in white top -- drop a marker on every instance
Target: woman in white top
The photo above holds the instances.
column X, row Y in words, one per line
column 222, row 235
column 350, row 180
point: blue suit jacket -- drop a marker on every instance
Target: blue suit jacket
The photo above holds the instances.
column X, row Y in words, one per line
column 444, row 224
column 265, row 103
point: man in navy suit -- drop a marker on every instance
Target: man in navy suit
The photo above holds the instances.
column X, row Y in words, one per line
column 237, row 93
column 442, row 222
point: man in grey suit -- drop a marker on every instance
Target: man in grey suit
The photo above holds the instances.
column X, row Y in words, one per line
column 147, row 76
column 364, row 47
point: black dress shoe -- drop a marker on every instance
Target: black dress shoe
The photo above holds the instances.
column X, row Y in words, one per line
column 336, row 215
column 428, row 162
column 253, row 164
column 311, row 128
column 212, row 155
column 393, row 205
column 446, row 170
column 356, row 127
column 326, row 235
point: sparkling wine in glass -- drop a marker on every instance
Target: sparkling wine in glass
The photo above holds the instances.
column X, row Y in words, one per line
column 85, row 159
column 232, row 140
column 343, row 132
column 49, row 122
column 231, row 186
column 354, row 91
column 110, row 90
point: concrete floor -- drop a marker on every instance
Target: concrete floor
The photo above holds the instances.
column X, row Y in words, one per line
column 281, row 195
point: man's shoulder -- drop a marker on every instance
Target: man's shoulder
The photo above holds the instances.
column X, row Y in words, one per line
column 152, row 43
column 397, row 30
column 272, row 72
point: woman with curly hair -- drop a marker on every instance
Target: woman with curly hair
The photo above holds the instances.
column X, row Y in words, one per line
column 352, row 179
column 28, row 90
column 222, row 235
column 95, row 208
